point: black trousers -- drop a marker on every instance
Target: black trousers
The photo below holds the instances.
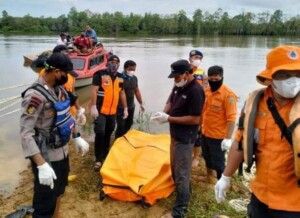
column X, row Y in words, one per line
column 257, row 209
column 213, row 155
column 44, row 198
column 104, row 125
column 124, row 125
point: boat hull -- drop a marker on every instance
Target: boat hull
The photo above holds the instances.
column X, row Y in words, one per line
column 83, row 82
column 85, row 65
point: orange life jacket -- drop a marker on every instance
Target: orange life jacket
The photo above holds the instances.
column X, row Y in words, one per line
column 275, row 183
column 108, row 94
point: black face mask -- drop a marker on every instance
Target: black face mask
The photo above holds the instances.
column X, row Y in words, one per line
column 61, row 81
column 215, row 85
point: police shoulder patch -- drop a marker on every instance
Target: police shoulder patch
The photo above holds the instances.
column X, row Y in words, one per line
column 31, row 109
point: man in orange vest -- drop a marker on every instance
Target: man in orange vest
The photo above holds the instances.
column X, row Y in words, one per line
column 107, row 89
column 218, row 121
column 274, row 189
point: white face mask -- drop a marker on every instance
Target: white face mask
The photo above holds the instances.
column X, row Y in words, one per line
column 130, row 73
column 196, row 63
column 181, row 83
column 287, row 88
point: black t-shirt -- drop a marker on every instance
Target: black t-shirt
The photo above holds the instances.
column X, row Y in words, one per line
column 129, row 85
column 186, row 101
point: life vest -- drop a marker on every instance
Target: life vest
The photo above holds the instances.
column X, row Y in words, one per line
column 63, row 123
column 199, row 75
column 69, row 86
column 248, row 132
column 108, row 94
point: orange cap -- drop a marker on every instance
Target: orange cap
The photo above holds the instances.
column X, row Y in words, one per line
column 283, row 57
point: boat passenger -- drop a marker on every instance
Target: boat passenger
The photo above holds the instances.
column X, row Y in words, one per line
column 62, row 39
column 92, row 36
column 82, row 44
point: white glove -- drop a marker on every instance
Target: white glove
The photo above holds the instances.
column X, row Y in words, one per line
column 46, row 175
column 81, row 144
column 94, row 112
column 221, row 188
column 81, row 118
column 125, row 114
column 160, row 117
column 226, row 144
column 142, row 108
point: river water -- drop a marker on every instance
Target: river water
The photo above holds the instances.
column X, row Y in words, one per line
column 241, row 57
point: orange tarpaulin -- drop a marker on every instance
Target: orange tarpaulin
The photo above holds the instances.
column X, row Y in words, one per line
column 138, row 168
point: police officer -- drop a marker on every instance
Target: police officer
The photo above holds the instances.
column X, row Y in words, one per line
column 182, row 111
column 46, row 126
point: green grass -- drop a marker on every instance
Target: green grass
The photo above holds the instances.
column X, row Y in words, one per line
column 142, row 121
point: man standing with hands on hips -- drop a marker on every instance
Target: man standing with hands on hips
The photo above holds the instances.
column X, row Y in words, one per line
column 182, row 111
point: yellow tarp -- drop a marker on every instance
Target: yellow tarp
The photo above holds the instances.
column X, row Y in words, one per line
column 138, row 168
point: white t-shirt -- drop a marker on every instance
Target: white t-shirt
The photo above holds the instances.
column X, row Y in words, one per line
column 60, row 42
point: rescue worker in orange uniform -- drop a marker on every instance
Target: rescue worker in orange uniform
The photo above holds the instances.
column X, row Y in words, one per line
column 107, row 89
column 218, row 121
column 195, row 58
column 75, row 110
column 274, row 189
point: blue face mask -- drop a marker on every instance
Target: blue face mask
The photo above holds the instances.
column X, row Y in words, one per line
column 112, row 68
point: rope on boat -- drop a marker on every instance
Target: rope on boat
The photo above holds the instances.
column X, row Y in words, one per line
column 3, row 115
column 4, row 100
column 13, row 87
column 8, row 106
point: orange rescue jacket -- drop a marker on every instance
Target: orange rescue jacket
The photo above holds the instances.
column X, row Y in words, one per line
column 108, row 94
column 219, row 108
column 275, row 183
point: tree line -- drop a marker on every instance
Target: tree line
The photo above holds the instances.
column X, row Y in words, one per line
column 202, row 23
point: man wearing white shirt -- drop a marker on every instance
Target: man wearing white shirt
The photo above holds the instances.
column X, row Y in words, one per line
column 62, row 40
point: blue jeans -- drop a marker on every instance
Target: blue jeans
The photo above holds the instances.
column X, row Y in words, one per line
column 213, row 155
column 181, row 160
column 257, row 209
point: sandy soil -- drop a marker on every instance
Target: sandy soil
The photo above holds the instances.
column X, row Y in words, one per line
column 81, row 198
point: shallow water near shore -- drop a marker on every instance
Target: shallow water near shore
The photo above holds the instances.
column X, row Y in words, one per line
column 241, row 57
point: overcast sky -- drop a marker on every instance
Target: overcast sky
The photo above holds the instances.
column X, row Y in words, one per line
column 55, row 8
